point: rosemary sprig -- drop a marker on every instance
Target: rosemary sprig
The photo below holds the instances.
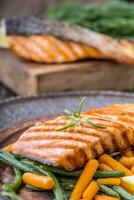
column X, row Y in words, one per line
column 70, row 124
column 80, row 106
column 75, row 118
column 95, row 125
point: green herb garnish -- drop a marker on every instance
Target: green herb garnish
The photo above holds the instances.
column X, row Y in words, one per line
column 114, row 18
column 75, row 118
column 12, row 161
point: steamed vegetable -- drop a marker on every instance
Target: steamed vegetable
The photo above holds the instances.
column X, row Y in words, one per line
column 104, row 197
column 108, row 174
column 8, row 148
column 13, row 162
column 54, row 169
column 114, row 164
column 40, row 176
column 108, row 191
column 109, row 181
column 103, row 166
column 9, row 189
column 38, row 181
column 85, row 178
column 123, row 193
column 10, row 196
column 91, row 191
column 15, row 185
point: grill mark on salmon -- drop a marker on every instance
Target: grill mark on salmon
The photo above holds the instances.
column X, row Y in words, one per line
column 82, row 42
column 127, row 124
column 105, row 137
column 122, row 115
column 111, row 122
column 84, row 139
column 72, row 147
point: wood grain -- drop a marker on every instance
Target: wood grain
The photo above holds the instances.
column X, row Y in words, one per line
column 30, row 78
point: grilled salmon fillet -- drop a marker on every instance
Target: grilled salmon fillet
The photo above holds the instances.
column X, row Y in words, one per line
column 50, row 49
column 57, row 42
column 72, row 147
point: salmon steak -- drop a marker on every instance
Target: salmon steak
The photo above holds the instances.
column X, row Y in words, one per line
column 103, row 130
column 51, row 41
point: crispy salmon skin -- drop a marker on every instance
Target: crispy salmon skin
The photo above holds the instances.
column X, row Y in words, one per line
column 72, row 147
column 57, row 42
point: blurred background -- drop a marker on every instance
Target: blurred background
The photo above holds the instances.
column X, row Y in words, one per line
column 110, row 17
column 32, row 7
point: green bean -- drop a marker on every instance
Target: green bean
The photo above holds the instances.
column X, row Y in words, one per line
column 67, row 195
column 55, row 169
column 123, row 193
column 29, row 167
column 15, row 185
column 39, row 169
column 108, row 174
column 9, row 189
column 57, row 189
column 12, row 195
column 108, row 191
column 67, row 183
column 12, row 161
column 67, row 180
column 67, row 186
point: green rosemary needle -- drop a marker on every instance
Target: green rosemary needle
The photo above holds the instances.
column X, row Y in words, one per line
column 70, row 124
column 75, row 118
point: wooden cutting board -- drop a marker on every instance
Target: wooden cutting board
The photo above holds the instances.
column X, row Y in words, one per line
column 29, row 78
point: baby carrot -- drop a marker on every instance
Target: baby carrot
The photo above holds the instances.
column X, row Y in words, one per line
column 85, row 178
column 109, row 181
column 127, row 161
column 91, row 191
column 39, row 181
column 103, row 166
column 104, row 197
column 114, row 164
column 8, row 148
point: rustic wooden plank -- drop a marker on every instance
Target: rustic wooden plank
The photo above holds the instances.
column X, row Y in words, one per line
column 15, row 74
column 30, row 78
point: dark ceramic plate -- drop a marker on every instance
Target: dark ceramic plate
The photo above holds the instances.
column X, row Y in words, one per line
column 17, row 114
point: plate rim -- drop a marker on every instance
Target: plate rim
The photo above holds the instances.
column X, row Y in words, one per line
column 68, row 93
